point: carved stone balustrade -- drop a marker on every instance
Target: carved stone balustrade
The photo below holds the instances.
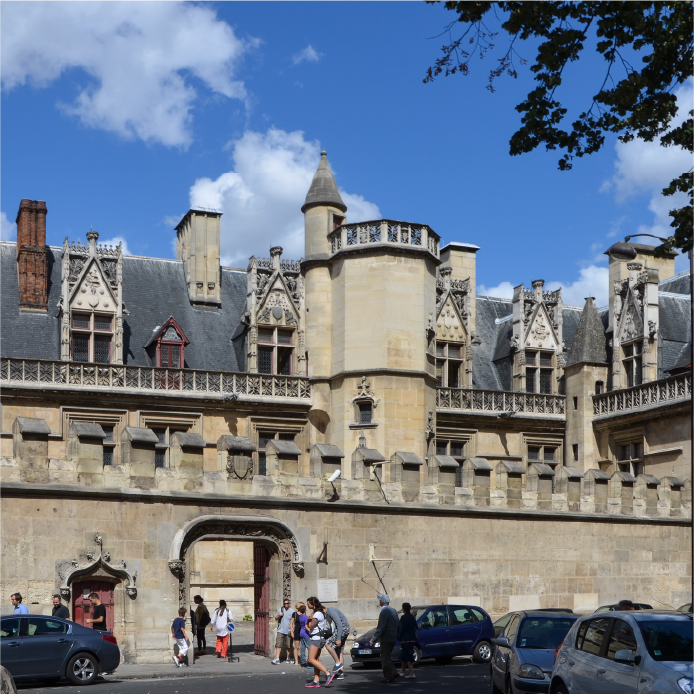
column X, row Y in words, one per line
column 384, row 232
column 664, row 392
column 181, row 383
column 496, row 402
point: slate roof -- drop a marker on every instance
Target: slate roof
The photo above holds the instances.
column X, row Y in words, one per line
column 153, row 290
column 589, row 345
column 677, row 284
column 323, row 189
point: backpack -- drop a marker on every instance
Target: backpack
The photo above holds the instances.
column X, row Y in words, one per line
column 327, row 631
column 205, row 619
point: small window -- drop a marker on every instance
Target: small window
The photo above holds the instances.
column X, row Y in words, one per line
column 337, row 221
column 549, row 454
column 574, row 448
column 171, row 335
column 530, row 358
column 545, row 359
column 9, row 628
column 109, row 444
column 449, row 365
column 365, row 412
column 161, row 449
column 599, row 386
column 457, row 449
column 265, row 360
column 591, row 635
column 534, row 453
column 575, row 403
column 284, row 362
column 441, row 447
column 80, row 320
column 278, row 356
column 546, row 381
column 530, row 377
column 102, row 349
column 284, row 337
column 265, row 335
column 102, row 322
column 80, row 347
column 439, row 350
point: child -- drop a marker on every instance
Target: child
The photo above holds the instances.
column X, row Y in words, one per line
column 178, row 631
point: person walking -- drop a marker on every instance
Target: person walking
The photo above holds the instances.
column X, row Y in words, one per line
column 220, row 618
column 284, row 640
column 408, row 640
column 387, row 633
column 316, row 627
column 16, row 600
column 335, row 645
column 98, row 621
column 59, row 610
column 178, row 631
column 202, row 619
column 299, row 621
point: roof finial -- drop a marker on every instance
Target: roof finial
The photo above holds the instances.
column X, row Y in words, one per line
column 323, row 190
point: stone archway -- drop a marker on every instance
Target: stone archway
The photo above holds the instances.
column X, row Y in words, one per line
column 268, row 531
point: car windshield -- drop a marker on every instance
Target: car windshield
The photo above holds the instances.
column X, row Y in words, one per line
column 669, row 639
column 543, row 632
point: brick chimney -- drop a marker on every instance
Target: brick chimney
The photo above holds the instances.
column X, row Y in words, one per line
column 32, row 255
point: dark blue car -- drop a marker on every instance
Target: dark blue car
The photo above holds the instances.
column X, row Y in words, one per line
column 445, row 631
column 48, row 648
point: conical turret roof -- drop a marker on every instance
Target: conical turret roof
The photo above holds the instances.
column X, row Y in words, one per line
column 589, row 344
column 323, row 190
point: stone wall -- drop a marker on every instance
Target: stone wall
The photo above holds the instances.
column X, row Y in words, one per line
column 500, row 558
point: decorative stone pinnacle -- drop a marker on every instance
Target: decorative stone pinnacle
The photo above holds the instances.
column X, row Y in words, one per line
column 362, row 439
column 537, row 287
column 276, row 255
column 324, row 153
column 634, row 266
column 92, row 236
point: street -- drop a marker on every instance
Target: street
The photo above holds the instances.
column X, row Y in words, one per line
column 461, row 676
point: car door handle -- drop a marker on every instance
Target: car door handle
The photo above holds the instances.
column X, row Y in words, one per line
column 601, row 671
column 572, row 662
column 63, row 641
column 14, row 644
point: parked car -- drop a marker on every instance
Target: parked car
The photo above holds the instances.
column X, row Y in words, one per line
column 445, row 631
column 646, row 651
column 613, row 608
column 48, row 648
column 687, row 607
column 524, row 653
column 503, row 621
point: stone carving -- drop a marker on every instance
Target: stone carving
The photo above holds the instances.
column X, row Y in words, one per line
column 515, row 343
column 652, row 329
column 289, row 317
column 539, row 328
column 431, row 427
column 241, row 472
column 264, row 316
column 177, row 567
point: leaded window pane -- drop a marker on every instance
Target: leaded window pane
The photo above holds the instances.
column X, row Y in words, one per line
column 80, row 347
column 546, row 381
column 624, row 452
column 533, row 453
column 284, row 337
column 549, row 454
column 161, row 435
column 439, row 374
column 365, row 413
column 175, row 356
column 440, row 350
column 545, row 359
column 263, row 438
column 638, row 371
column 265, row 335
column 284, row 362
column 530, row 380
column 638, row 468
column 262, row 463
column 457, row 449
column 164, row 355
column 459, row 476
column 453, row 375
column 159, row 457
column 441, row 447
column 530, row 358
column 108, row 430
column 80, row 321
column 108, row 455
column 264, row 360
column 102, row 322
column 638, row 450
column 102, row 349
column 629, row 368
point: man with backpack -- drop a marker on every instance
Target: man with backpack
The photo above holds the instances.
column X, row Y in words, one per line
column 202, row 619
column 335, row 645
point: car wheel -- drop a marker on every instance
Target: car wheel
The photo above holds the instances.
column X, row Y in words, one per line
column 443, row 660
column 559, row 688
column 417, row 656
column 482, row 652
column 82, row 669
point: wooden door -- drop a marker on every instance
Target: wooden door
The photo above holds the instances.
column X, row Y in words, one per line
column 82, row 608
column 261, row 574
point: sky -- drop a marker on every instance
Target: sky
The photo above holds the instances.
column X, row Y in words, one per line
column 121, row 116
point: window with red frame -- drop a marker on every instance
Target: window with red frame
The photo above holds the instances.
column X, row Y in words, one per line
column 170, row 349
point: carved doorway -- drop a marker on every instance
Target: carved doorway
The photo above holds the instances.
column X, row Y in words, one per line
column 82, row 607
column 261, row 590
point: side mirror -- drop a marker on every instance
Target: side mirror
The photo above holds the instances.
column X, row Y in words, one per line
column 502, row 641
column 627, row 657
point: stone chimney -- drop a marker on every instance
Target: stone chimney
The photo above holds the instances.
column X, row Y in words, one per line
column 198, row 246
column 32, row 255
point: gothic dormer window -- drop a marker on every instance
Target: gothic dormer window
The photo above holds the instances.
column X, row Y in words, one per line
column 92, row 336
column 275, row 351
column 633, row 362
column 539, row 371
column 170, row 341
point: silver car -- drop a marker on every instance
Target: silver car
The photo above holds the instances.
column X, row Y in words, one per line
column 647, row 652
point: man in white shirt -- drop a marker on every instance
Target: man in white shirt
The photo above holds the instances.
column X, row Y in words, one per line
column 284, row 639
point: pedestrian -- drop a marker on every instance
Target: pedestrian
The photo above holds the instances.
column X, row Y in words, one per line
column 284, row 639
column 220, row 618
column 335, row 645
column 625, row 606
column 16, row 599
column 408, row 640
column 316, row 629
column 178, row 631
column 98, row 621
column 306, row 640
column 59, row 610
column 202, row 619
column 387, row 633
column 299, row 620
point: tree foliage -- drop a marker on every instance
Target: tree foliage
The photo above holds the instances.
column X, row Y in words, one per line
column 632, row 101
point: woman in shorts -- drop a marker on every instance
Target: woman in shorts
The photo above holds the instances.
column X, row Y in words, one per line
column 315, row 629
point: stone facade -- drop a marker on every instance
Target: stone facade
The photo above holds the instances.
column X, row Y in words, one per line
column 508, row 453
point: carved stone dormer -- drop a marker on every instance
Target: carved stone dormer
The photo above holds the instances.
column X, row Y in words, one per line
column 537, row 344
column 452, row 331
column 91, row 302
column 275, row 315
column 635, row 317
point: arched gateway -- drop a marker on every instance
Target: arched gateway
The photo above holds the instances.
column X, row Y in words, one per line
column 271, row 538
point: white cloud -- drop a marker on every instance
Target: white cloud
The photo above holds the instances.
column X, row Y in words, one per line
column 501, row 291
column 115, row 241
column 593, row 281
column 142, row 58
column 308, row 55
column 8, row 229
column 647, row 167
column 261, row 197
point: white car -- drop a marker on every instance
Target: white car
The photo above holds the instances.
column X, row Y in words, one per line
column 647, row 652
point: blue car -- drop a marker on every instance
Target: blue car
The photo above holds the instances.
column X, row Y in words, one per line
column 445, row 631
column 524, row 653
column 48, row 648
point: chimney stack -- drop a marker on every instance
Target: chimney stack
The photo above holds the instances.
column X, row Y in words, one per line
column 32, row 255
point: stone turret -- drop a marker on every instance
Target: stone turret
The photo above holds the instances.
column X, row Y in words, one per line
column 586, row 375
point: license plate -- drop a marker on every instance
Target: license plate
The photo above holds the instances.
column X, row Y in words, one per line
column 365, row 651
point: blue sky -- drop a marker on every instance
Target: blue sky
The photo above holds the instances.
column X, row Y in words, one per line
column 120, row 116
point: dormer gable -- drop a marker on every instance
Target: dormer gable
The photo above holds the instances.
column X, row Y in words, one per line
column 167, row 344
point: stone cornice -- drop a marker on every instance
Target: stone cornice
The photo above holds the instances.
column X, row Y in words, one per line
column 65, row 491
